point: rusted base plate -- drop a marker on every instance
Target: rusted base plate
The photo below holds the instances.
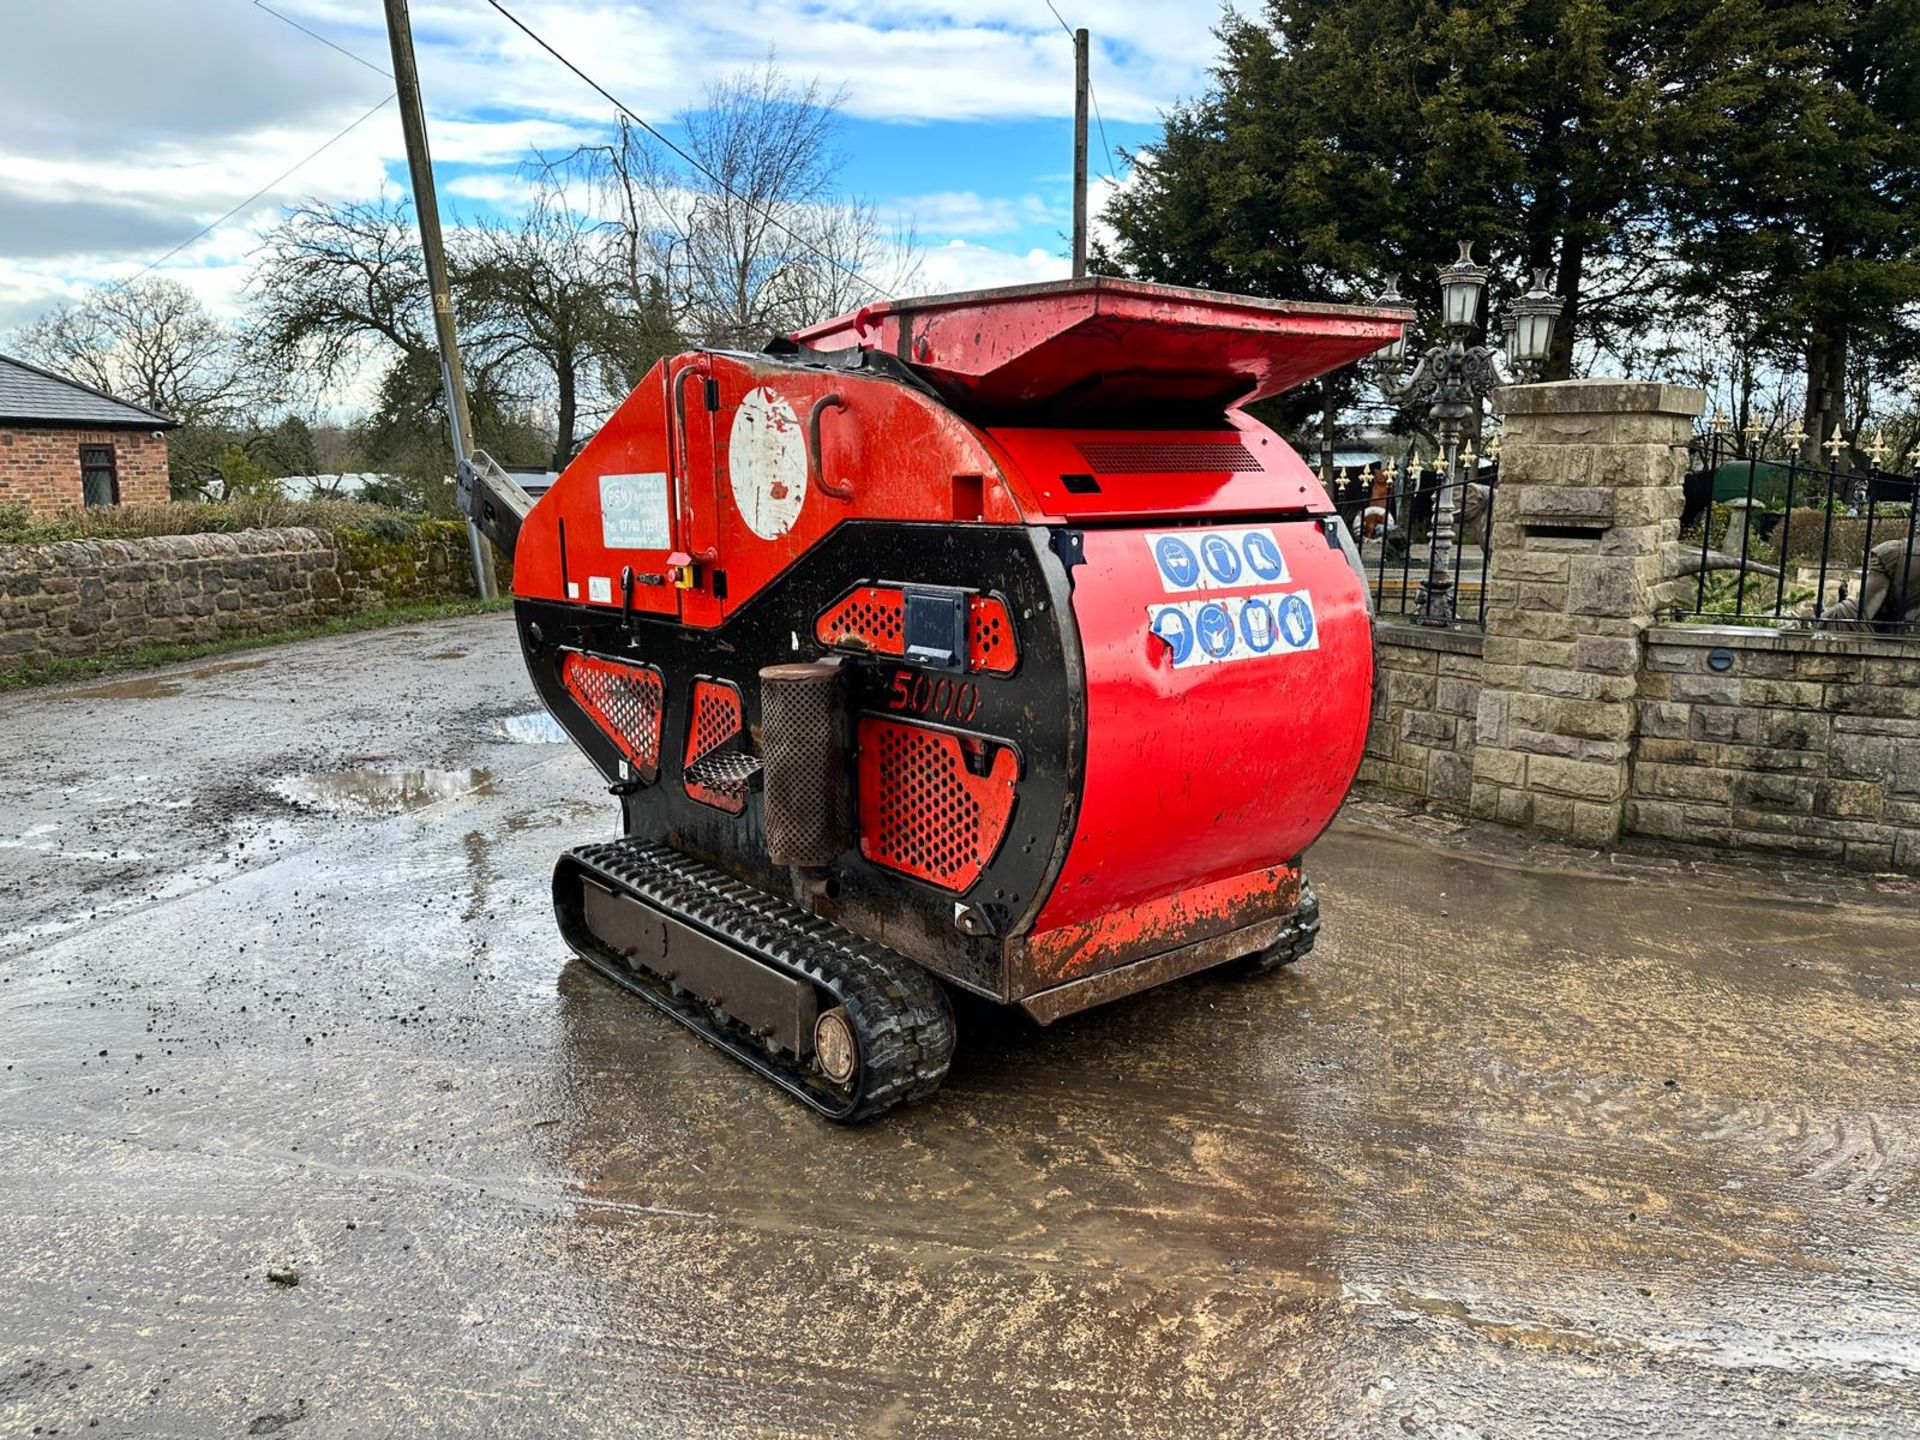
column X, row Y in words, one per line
column 1268, row 943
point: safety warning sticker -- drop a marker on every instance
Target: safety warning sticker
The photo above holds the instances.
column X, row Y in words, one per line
column 1217, row 559
column 1235, row 627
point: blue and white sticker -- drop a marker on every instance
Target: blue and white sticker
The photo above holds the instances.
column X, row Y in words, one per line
column 635, row 513
column 1263, row 557
column 1257, row 627
column 1296, row 622
column 1174, row 558
column 1171, row 624
column 1215, row 628
column 1220, row 630
column 1222, row 557
column 1191, row 560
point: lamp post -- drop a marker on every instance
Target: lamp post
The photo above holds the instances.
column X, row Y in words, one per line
column 1453, row 378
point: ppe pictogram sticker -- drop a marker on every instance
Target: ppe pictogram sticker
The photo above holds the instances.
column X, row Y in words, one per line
column 1217, row 559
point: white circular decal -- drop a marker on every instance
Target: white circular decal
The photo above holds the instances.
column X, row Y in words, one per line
column 767, row 463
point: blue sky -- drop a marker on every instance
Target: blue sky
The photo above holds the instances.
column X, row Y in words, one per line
column 191, row 106
column 998, row 185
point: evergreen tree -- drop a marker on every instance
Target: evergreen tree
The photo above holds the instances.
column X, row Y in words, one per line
column 1344, row 138
column 1796, row 189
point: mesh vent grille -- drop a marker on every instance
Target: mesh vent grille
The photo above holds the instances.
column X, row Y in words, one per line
column 922, row 812
column 870, row 618
column 714, row 726
column 803, row 737
column 873, row 618
column 624, row 700
column 1165, row 457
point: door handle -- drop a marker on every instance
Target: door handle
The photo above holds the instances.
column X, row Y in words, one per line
column 680, row 408
column 838, row 489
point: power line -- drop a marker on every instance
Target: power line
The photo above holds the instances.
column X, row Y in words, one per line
column 624, row 109
column 277, row 180
column 1106, row 150
column 315, row 34
column 291, row 170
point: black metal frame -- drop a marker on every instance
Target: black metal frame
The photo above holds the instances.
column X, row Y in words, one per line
column 112, row 468
column 1039, row 710
column 1411, row 507
column 1874, row 495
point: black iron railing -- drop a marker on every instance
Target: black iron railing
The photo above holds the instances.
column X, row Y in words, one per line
column 1783, row 542
column 1389, row 511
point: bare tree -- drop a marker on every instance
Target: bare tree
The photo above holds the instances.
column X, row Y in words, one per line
column 151, row 342
column 339, row 291
column 752, row 237
column 335, row 286
column 538, row 290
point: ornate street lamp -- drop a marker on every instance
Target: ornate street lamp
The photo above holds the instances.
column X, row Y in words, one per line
column 1395, row 355
column 1454, row 378
column 1533, row 316
column 1461, row 286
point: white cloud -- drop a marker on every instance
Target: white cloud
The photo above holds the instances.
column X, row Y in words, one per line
column 949, row 213
column 193, row 105
column 498, row 189
column 961, row 266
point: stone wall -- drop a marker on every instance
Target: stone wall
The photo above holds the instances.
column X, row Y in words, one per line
column 40, row 466
column 1580, row 714
column 1587, row 511
column 1781, row 740
column 95, row 597
column 1426, row 697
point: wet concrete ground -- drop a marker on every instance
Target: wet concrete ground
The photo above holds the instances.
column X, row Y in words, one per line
column 1523, row 1150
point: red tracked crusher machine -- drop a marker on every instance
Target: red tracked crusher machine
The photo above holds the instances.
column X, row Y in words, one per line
column 981, row 637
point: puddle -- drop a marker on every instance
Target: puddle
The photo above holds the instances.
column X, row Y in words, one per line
column 158, row 687
column 448, row 655
column 228, row 667
column 538, row 728
column 377, row 792
column 150, row 688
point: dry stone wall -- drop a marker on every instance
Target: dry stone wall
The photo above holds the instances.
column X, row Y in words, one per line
column 77, row 598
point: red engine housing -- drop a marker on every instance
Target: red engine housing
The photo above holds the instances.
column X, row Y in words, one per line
column 1150, row 669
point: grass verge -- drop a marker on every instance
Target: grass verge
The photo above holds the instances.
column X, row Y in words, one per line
column 60, row 672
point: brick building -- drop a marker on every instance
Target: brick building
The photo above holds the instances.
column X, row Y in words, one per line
column 63, row 445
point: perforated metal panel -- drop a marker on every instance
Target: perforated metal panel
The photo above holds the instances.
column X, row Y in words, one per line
column 715, row 770
column 871, row 619
column 803, row 737
column 922, row 811
column 624, row 700
column 990, row 642
column 1165, row 457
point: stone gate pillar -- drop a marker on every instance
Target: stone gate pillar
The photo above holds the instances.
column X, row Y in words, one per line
column 1585, row 515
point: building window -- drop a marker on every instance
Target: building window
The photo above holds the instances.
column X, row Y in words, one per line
column 99, row 484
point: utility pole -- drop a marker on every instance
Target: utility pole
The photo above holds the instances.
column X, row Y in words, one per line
column 1079, row 153
column 413, row 125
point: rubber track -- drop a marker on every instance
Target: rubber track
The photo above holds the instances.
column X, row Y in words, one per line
column 1294, row 943
column 898, row 1009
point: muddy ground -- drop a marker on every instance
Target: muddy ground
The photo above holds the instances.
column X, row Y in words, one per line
column 1529, row 1147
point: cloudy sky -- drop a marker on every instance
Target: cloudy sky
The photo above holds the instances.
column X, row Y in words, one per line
column 128, row 125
